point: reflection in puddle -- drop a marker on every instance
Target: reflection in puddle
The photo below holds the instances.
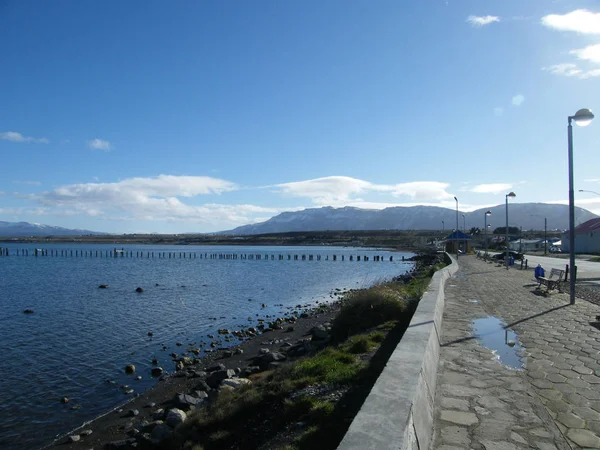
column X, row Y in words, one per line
column 472, row 301
column 490, row 332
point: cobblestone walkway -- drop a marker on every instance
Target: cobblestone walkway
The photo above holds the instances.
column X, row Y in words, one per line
column 554, row 403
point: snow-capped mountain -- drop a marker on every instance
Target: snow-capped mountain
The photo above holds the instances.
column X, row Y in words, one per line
column 19, row 229
column 526, row 215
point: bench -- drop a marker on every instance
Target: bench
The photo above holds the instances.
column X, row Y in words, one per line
column 553, row 281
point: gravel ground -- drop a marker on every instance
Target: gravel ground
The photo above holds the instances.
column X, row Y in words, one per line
column 591, row 293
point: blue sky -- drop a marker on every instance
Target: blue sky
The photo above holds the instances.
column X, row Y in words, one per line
column 153, row 116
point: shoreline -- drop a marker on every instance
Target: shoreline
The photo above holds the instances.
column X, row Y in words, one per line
column 117, row 423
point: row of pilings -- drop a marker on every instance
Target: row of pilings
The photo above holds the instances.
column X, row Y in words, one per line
column 122, row 253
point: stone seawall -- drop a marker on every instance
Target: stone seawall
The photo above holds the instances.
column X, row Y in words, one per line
column 398, row 413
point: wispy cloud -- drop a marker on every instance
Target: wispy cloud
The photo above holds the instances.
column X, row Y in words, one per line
column 100, row 144
column 30, row 183
column 491, row 188
column 592, row 180
column 589, row 53
column 518, row 100
column 13, row 136
column 480, row 21
column 580, row 21
column 498, row 111
column 572, row 70
column 340, row 190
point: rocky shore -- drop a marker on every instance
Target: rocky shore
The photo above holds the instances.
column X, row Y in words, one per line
column 149, row 419
column 151, row 416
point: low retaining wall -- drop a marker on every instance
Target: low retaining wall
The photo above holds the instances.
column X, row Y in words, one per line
column 398, row 413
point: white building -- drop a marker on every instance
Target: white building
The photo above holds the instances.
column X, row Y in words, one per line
column 526, row 245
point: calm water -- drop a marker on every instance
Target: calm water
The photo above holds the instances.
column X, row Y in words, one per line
column 493, row 334
column 80, row 336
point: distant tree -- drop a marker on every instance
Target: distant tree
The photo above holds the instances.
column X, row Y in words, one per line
column 502, row 230
column 474, row 231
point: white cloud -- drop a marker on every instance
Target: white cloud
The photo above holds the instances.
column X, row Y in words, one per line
column 580, row 21
column 100, row 144
column 572, row 70
column 151, row 199
column 480, row 21
column 592, row 180
column 491, row 188
column 13, row 136
column 339, row 190
column 498, row 112
column 518, row 100
column 589, row 53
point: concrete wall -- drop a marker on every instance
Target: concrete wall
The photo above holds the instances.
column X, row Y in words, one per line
column 398, row 413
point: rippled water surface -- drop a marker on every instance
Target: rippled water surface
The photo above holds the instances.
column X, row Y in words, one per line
column 80, row 336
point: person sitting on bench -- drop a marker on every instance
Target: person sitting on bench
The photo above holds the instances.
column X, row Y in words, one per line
column 539, row 272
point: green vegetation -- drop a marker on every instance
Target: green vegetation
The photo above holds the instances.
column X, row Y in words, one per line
column 322, row 391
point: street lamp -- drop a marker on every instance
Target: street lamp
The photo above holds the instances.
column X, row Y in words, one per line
column 456, row 241
column 512, row 195
column 583, row 117
column 593, row 192
column 464, row 224
column 485, row 227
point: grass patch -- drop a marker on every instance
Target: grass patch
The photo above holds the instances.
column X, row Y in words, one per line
column 331, row 366
column 385, row 305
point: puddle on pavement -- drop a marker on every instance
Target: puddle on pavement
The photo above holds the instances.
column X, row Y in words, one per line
column 472, row 301
column 490, row 332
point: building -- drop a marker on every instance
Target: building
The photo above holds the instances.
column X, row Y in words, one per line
column 527, row 245
column 587, row 237
column 458, row 241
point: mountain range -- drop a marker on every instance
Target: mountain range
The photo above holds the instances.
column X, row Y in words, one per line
column 20, row 229
column 526, row 215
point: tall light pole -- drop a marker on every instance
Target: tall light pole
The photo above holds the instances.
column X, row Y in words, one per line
column 456, row 241
column 485, row 226
column 583, row 117
column 545, row 236
column 512, row 195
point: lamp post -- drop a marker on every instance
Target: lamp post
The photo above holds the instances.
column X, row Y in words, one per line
column 512, row 195
column 583, row 117
column 593, row 192
column 545, row 236
column 456, row 241
column 485, row 227
column 465, row 232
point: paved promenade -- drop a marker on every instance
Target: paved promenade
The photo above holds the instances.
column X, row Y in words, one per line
column 481, row 403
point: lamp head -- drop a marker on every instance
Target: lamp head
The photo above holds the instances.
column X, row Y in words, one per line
column 583, row 117
column 488, row 213
column 455, row 198
column 511, row 195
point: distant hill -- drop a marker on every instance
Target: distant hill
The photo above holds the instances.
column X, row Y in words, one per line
column 20, row 229
column 526, row 215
